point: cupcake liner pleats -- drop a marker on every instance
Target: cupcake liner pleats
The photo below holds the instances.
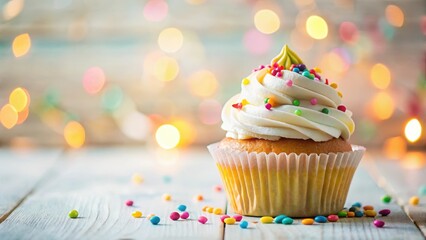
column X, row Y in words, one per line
column 302, row 185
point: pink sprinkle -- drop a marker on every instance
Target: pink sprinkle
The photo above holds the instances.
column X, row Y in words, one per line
column 237, row 217
column 184, row 215
column 129, row 203
column 289, row 83
column 314, row 101
column 261, row 67
column 223, row 217
column 342, row 108
column 202, row 219
column 280, row 74
column 174, row 216
column 218, row 188
column 268, row 106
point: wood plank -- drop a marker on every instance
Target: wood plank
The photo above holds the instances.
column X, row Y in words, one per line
column 97, row 182
column 401, row 179
column 363, row 189
column 20, row 170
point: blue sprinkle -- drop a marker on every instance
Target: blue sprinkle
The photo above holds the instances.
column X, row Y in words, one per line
column 320, row 219
column 287, row 221
column 279, row 218
column 181, row 207
column 154, row 220
column 243, row 224
column 359, row 214
column 357, row 204
column 296, row 70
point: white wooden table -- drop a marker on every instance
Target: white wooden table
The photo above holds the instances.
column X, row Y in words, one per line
column 39, row 187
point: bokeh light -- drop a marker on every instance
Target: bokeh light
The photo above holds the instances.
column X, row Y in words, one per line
column 209, row 111
column 186, row 130
column 167, row 136
column 203, row 83
column 266, row 21
column 23, row 115
column 301, row 40
column 8, row 116
column 170, row 40
column 195, row 2
column 394, row 15
column 136, row 126
column 304, row 4
column 348, row 32
column 413, row 130
column 395, row 147
column 19, row 98
column 166, row 69
column 155, row 10
column 74, row 134
column 12, row 9
column 112, row 99
column 382, row 106
column 316, row 27
column 21, row 45
column 335, row 63
column 256, row 42
column 380, row 76
column 423, row 25
column 94, row 80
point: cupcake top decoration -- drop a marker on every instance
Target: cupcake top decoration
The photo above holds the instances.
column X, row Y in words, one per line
column 287, row 100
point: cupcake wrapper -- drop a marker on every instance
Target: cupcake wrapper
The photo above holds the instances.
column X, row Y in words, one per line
column 297, row 185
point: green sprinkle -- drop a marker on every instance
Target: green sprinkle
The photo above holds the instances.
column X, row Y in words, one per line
column 298, row 112
column 342, row 214
column 73, row 213
column 296, row 102
column 325, row 110
column 386, row 199
column 266, row 100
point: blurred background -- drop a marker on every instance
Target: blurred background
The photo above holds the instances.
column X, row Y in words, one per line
column 89, row 72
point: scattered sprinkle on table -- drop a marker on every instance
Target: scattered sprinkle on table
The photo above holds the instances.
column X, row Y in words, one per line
column 359, row 214
column 386, row 199
column 202, row 219
column 333, row 218
column 137, row 214
column 414, row 200
column 184, row 215
column 308, row 221
column 229, row 221
column 351, row 214
column 357, row 204
column 368, row 207
column 174, row 216
column 244, row 224
column 384, row 212
column 279, row 218
column 154, row 220
column 378, row 223
column 137, row 179
column 73, row 214
column 129, row 203
column 181, row 207
column 342, row 214
column 267, row 219
column 199, row 197
column 209, row 210
column 217, row 211
column 370, row 213
column 167, row 197
column 320, row 219
column 223, row 217
column 237, row 217
column 218, row 188
column 287, row 221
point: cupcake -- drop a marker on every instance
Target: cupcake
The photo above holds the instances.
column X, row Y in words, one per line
column 286, row 149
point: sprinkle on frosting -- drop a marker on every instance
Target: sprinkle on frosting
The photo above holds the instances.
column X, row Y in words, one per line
column 286, row 58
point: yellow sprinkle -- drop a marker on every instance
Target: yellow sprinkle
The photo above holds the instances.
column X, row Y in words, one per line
column 167, row 197
column 266, row 219
column 209, row 210
column 149, row 216
column 137, row 179
column 317, row 70
column 137, row 214
column 217, row 211
column 245, row 81
column 205, row 208
column 340, row 94
column 414, row 200
column 308, row 221
column 370, row 213
column 244, row 102
column 229, row 220
column 333, row 85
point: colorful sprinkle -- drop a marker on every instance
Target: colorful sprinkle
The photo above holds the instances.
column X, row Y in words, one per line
column 202, row 219
column 325, row 110
column 384, row 212
column 209, row 209
column 244, row 102
column 368, row 207
column 129, row 203
column 287, row 221
column 414, row 200
column 266, row 100
column 204, row 209
column 340, row 94
column 342, row 108
column 223, row 217
column 237, row 217
column 333, row 85
column 137, row 214
column 184, row 215
column 357, row 204
column 370, row 213
column 359, row 214
column 351, row 214
column 317, row 70
column 296, row 70
column 306, row 74
column 167, row 197
column 73, row 214
column 308, row 221
column 333, row 218
column 229, row 221
column 237, row 105
column 296, row 102
column 245, row 81
column 314, row 101
column 267, row 219
column 154, row 220
column 320, row 219
column 386, row 199
column 279, row 218
column 217, row 188
column 342, row 214
column 268, row 106
column 353, row 209
column 378, row 223
column 298, row 112
column 217, row 211
column 174, row 216
column 199, row 197
column 137, row 179
column 244, row 224
column 181, row 207
column 289, row 83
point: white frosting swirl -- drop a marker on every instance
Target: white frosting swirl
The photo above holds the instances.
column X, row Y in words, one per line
column 253, row 120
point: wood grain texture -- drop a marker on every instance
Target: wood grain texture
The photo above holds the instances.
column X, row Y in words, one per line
column 363, row 189
column 402, row 179
column 20, row 171
column 97, row 182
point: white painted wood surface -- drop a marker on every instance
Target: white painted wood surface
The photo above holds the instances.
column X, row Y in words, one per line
column 97, row 182
column 20, row 171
